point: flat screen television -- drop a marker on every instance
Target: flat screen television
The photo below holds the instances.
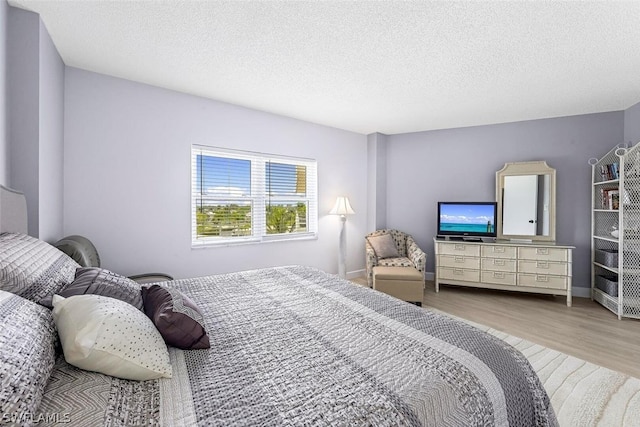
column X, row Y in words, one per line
column 467, row 220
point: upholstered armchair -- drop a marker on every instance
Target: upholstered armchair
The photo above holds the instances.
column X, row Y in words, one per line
column 83, row 251
column 407, row 253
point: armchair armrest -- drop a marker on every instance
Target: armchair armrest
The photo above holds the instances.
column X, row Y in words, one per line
column 416, row 255
column 150, row 277
column 371, row 261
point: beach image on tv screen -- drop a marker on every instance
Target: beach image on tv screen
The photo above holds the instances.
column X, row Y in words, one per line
column 467, row 218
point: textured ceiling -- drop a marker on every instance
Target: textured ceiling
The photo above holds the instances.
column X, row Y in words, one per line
column 366, row 66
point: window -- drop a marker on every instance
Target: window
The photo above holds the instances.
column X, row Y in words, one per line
column 238, row 196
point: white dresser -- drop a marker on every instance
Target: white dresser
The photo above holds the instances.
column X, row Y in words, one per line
column 514, row 266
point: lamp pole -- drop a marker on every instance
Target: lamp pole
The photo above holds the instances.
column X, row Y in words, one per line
column 342, row 250
column 342, row 208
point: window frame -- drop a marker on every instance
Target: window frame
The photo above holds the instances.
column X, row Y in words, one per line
column 258, row 197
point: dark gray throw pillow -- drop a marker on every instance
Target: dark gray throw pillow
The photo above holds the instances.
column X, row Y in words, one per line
column 98, row 281
column 178, row 319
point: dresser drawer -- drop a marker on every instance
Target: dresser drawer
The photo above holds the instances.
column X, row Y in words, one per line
column 542, row 281
column 499, row 251
column 459, row 261
column 499, row 278
column 544, row 254
column 543, row 267
column 458, row 274
column 499, row 264
column 458, row 249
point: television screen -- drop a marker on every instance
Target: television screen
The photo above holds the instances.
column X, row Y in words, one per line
column 474, row 219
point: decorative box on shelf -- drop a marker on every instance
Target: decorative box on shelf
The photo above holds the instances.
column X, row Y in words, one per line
column 607, row 257
column 607, row 284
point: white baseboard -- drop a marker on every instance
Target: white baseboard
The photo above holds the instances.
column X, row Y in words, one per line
column 576, row 291
column 363, row 273
column 356, row 273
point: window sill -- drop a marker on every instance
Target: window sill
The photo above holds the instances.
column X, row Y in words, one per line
column 253, row 241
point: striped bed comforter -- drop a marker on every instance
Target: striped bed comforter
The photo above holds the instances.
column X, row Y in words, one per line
column 296, row 346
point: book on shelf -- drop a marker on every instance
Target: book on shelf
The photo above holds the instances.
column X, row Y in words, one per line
column 610, row 199
column 610, row 172
column 614, row 200
column 615, row 171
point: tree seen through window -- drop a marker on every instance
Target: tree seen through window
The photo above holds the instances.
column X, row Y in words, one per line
column 227, row 196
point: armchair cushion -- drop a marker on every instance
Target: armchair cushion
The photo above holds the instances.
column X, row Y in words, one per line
column 396, row 262
column 384, row 246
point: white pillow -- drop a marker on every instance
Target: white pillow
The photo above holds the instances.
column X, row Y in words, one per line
column 110, row 336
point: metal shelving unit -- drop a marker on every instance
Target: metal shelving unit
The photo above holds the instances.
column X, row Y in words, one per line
column 615, row 231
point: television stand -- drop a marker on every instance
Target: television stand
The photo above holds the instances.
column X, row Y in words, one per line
column 543, row 268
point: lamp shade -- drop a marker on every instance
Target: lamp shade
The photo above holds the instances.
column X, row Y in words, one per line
column 342, row 207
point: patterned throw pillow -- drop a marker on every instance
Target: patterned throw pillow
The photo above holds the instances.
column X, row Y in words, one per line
column 178, row 319
column 98, row 281
column 27, row 354
column 384, row 246
column 33, row 269
column 109, row 336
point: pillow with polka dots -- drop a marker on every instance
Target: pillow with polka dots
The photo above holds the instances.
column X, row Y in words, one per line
column 110, row 336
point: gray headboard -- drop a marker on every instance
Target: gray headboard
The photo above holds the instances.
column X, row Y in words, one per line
column 13, row 211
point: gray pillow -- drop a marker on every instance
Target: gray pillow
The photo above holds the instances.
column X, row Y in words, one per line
column 28, row 340
column 384, row 246
column 177, row 317
column 32, row 268
column 99, row 281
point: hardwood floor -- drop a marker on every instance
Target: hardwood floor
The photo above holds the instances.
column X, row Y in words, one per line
column 587, row 330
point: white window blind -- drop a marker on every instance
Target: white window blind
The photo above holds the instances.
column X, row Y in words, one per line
column 239, row 196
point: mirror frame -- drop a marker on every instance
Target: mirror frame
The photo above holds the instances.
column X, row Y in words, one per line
column 527, row 168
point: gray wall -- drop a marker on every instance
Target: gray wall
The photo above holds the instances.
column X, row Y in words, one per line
column 460, row 164
column 632, row 124
column 23, row 44
column 35, row 80
column 4, row 128
column 50, row 139
column 126, row 146
column 127, row 177
column 376, row 181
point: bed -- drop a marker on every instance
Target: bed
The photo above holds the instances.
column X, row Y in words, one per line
column 289, row 345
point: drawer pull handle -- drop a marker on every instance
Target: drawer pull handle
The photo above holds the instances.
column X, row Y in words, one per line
column 459, row 247
column 498, row 249
column 542, row 278
column 498, row 275
column 498, row 262
column 459, row 259
column 458, row 272
column 542, row 264
column 542, row 251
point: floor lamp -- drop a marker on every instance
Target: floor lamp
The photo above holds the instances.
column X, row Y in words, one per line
column 342, row 208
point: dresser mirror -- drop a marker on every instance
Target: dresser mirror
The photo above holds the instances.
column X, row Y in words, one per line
column 526, row 196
